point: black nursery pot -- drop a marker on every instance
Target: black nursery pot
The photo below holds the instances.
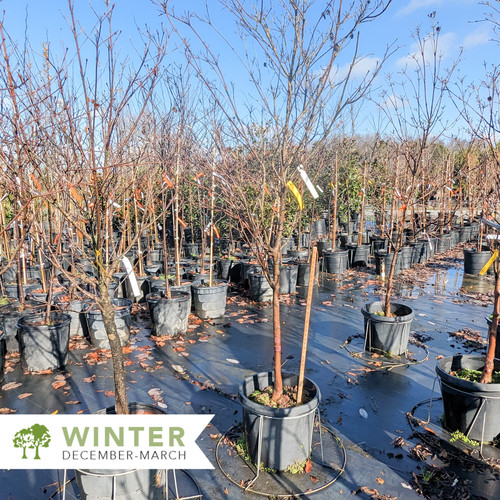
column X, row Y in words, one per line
column 224, row 268
column 474, row 261
column 406, row 258
column 297, row 254
column 259, row 288
column 443, row 243
column 304, row 273
column 169, row 316
column 335, row 262
column 9, row 317
column 209, row 301
column 12, row 289
column 123, row 318
column 76, row 310
column 470, row 407
column 388, row 260
column 131, row 484
column 387, row 335
column 43, row 346
column 323, row 245
column 285, row 433
column 359, row 255
column 288, row 278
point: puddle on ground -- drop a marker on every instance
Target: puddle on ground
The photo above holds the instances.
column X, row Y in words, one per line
column 448, row 282
column 477, row 284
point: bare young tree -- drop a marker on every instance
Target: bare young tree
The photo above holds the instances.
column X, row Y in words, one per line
column 478, row 104
column 414, row 107
column 87, row 165
column 290, row 52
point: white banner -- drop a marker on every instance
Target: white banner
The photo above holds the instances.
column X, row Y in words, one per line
column 308, row 182
column 131, row 277
column 102, row 442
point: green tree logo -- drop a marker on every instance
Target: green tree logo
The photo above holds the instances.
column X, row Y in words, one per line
column 35, row 437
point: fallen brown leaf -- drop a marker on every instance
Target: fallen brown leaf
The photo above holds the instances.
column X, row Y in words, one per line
column 380, row 480
column 89, row 379
column 6, row 411
column 110, row 394
column 156, row 394
column 145, row 348
column 58, row 384
column 41, row 372
column 11, row 385
column 25, row 395
column 364, row 489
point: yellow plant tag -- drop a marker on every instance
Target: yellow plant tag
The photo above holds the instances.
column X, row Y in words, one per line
column 488, row 264
column 293, row 188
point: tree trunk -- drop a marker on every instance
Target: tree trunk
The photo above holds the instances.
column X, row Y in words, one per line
column 390, row 278
column 334, row 201
column 278, row 380
column 363, row 201
column 492, row 332
column 108, row 318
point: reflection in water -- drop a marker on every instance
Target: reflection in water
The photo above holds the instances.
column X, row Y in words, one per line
column 446, row 282
column 408, row 291
column 453, row 281
column 477, row 284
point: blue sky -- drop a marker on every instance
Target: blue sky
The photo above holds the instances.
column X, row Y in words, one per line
column 457, row 19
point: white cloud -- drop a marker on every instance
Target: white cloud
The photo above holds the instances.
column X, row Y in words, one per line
column 418, row 4
column 478, row 37
column 446, row 44
column 414, row 5
column 361, row 68
column 392, row 101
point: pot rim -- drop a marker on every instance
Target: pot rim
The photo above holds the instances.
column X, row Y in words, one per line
column 337, row 251
column 383, row 319
column 466, row 385
column 181, row 296
column 23, row 321
column 278, row 413
column 204, row 286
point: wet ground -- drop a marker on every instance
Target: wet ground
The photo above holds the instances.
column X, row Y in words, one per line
column 376, row 449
